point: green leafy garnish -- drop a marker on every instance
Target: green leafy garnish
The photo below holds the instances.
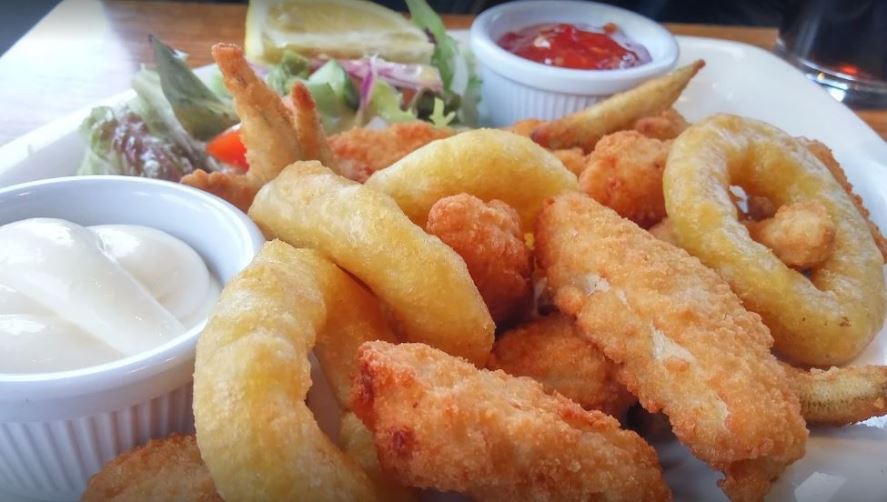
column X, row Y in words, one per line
column 446, row 49
column 333, row 74
column 200, row 111
column 437, row 116
column 284, row 74
column 386, row 103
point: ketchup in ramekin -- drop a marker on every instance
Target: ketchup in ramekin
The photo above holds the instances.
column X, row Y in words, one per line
column 571, row 46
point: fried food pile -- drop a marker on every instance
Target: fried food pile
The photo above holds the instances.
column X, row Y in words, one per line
column 488, row 305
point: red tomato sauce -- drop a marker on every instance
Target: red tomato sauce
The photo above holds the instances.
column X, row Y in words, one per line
column 570, row 46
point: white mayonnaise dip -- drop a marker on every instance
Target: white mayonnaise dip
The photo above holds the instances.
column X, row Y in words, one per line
column 73, row 296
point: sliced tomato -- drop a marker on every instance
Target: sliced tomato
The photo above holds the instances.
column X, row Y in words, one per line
column 228, row 148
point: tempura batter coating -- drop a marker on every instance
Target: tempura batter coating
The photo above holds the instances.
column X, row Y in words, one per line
column 823, row 319
column 439, row 422
column 801, row 234
column 840, row 396
column 361, row 151
column 252, row 373
column 682, row 340
column 624, row 173
column 552, row 351
column 488, row 237
column 163, row 469
column 425, row 282
column 824, row 154
column 487, row 163
column 616, row 113
column 266, row 125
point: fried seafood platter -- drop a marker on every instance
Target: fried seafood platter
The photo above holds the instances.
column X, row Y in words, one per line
column 547, row 311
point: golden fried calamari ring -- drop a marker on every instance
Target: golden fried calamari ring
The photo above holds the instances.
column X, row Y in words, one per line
column 824, row 320
column 425, row 283
column 258, row 437
column 486, row 163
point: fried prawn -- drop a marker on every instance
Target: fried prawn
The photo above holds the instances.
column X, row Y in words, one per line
column 624, row 173
column 552, row 351
column 487, row 235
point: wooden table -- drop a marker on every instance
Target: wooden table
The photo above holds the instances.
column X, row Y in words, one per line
column 87, row 50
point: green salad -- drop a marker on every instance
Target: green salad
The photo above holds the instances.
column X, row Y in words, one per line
column 178, row 121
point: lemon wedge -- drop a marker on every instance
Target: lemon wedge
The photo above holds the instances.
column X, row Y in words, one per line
column 332, row 28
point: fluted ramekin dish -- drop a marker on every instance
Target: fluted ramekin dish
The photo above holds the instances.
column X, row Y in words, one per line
column 57, row 429
column 515, row 88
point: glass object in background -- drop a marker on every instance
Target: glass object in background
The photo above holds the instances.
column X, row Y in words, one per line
column 841, row 44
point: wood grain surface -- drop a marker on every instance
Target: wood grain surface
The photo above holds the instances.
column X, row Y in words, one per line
column 86, row 50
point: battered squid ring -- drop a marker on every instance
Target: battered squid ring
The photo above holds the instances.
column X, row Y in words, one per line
column 423, row 280
column 486, row 163
column 824, row 320
column 255, row 432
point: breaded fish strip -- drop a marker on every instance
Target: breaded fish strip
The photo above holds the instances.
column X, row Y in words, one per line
column 681, row 338
column 163, row 469
column 552, row 351
column 624, row 173
column 487, row 235
column 618, row 112
column 360, row 151
column 440, row 422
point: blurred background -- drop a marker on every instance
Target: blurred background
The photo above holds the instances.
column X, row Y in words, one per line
column 17, row 17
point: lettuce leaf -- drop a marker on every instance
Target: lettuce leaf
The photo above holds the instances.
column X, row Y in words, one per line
column 119, row 142
column 197, row 108
column 446, row 49
column 385, row 102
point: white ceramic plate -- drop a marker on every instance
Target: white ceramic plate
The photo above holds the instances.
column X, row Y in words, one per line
column 848, row 463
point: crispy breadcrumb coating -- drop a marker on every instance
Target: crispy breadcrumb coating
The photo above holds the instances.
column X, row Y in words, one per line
column 573, row 159
column 624, row 172
column 664, row 232
column 488, row 237
column 360, row 151
column 524, row 127
column 553, row 352
column 163, row 469
column 802, row 234
column 667, row 125
column 681, row 338
column 440, row 422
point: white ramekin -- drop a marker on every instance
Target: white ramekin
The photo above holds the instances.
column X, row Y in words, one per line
column 58, row 429
column 515, row 88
